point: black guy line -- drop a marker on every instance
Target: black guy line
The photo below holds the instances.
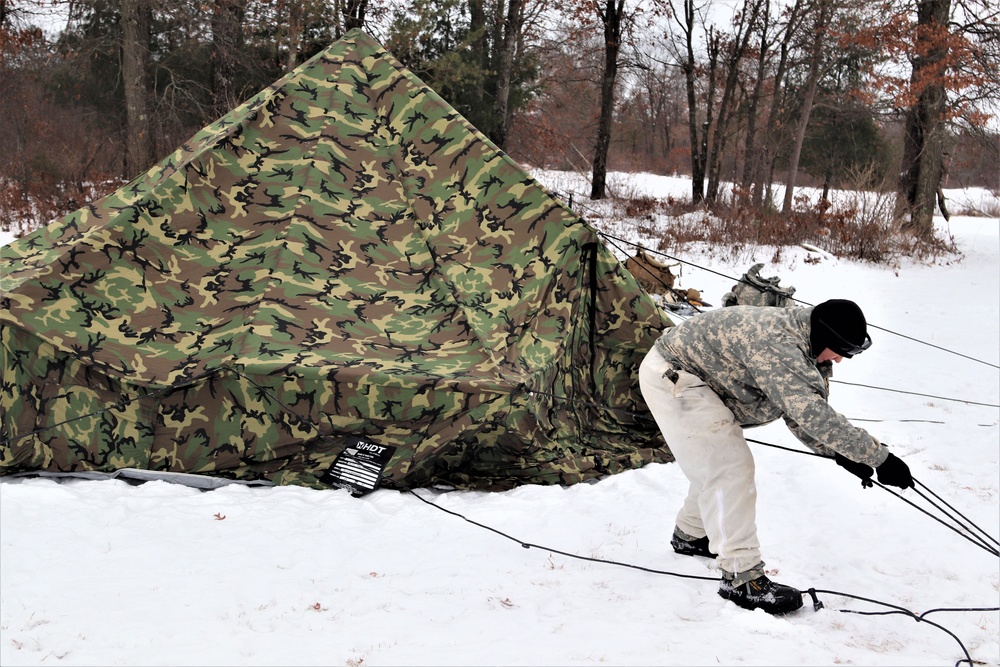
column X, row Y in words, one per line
column 914, row 393
column 893, row 609
column 738, row 280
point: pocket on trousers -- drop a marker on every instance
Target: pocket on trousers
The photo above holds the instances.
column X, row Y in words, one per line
column 687, row 382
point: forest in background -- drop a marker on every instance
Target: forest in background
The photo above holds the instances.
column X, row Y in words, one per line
column 896, row 96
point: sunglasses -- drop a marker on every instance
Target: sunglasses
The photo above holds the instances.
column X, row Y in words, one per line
column 848, row 349
column 855, row 349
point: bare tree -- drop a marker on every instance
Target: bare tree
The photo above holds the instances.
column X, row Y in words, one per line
column 752, row 160
column 613, row 16
column 686, row 22
column 506, row 49
column 139, row 153
column 744, row 24
column 354, row 13
column 651, row 110
column 227, row 34
column 820, row 42
column 763, row 159
column 923, row 136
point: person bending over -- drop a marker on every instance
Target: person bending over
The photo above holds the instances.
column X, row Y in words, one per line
column 723, row 370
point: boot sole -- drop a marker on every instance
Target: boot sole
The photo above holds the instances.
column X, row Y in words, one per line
column 795, row 604
column 695, row 552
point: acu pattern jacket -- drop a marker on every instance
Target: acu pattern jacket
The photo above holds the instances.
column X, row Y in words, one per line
column 758, row 360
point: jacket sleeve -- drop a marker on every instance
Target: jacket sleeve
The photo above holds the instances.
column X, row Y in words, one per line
column 807, row 440
column 798, row 389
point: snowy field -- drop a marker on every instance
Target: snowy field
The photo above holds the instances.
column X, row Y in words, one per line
column 108, row 573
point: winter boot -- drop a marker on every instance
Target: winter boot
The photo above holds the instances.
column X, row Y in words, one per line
column 696, row 547
column 762, row 593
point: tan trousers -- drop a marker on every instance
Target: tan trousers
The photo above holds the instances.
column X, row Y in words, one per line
column 712, row 453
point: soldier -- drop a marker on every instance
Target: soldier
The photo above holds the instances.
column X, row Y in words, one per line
column 718, row 372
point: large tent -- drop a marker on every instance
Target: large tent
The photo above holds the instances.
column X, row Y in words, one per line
column 341, row 283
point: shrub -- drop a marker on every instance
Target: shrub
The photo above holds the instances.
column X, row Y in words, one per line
column 859, row 225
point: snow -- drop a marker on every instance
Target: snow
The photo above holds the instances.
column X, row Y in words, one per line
column 109, row 573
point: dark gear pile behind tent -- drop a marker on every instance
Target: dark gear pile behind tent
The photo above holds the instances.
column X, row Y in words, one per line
column 339, row 276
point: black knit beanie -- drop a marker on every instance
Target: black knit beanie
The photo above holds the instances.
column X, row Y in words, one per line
column 837, row 324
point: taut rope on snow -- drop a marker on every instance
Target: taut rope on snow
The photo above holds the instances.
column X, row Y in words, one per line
column 974, row 536
column 817, row 604
column 529, row 545
column 940, row 499
column 979, row 537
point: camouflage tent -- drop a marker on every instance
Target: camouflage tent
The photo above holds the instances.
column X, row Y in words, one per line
column 340, row 283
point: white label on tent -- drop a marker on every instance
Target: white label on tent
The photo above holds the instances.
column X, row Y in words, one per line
column 359, row 467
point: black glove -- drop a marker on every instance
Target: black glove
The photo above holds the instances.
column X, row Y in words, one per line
column 895, row 473
column 861, row 470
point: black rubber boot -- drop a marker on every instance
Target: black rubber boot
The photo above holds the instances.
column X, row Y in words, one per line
column 762, row 593
column 698, row 547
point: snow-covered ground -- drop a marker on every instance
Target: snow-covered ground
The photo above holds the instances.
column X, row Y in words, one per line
column 107, row 573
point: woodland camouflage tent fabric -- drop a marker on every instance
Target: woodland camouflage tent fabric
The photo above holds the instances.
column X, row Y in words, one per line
column 341, row 264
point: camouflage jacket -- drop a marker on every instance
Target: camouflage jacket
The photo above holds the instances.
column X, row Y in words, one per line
column 758, row 360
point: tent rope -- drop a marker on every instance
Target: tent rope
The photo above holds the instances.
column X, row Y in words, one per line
column 942, row 500
column 817, row 605
column 740, row 280
column 529, row 545
column 969, row 534
column 914, row 393
column 676, row 293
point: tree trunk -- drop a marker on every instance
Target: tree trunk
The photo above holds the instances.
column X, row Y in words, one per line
column 815, row 56
column 923, row 137
column 294, row 34
column 354, row 14
column 689, row 68
column 139, row 153
column 479, row 45
column 612, row 17
column 751, row 153
column 708, row 130
column 764, row 172
column 748, row 18
column 227, row 37
column 505, row 70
